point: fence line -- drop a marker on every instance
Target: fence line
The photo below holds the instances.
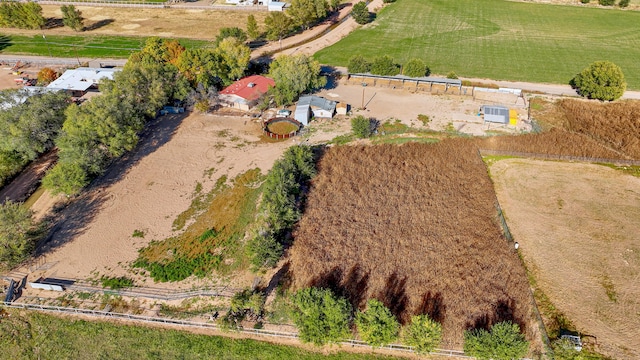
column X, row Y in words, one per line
column 187, row 323
column 145, row 292
column 156, row 5
column 619, row 162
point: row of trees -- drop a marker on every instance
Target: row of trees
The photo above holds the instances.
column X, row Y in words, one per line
column 386, row 65
column 107, row 126
column 301, row 15
column 28, row 126
column 28, row 15
column 322, row 317
column 281, row 205
column 621, row 3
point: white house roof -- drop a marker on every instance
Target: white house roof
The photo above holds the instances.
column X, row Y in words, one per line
column 82, row 78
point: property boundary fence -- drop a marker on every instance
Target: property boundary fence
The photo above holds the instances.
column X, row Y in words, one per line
column 145, row 292
column 157, row 5
column 205, row 325
column 619, row 162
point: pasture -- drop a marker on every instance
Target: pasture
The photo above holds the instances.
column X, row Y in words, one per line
column 497, row 39
column 583, row 252
column 416, row 227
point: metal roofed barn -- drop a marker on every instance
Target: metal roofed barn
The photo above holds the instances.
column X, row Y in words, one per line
column 81, row 79
column 319, row 106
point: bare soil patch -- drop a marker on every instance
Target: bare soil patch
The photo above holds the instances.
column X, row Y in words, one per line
column 578, row 227
column 414, row 226
column 147, row 190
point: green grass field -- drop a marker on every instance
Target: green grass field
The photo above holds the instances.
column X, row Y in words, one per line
column 498, row 39
column 30, row 335
column 80, row 46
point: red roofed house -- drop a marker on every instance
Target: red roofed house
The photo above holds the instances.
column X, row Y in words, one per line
column 244, row 93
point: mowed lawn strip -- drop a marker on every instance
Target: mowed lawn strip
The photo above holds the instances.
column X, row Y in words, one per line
column 498, row 39
column 80, row 46
column 34, row 336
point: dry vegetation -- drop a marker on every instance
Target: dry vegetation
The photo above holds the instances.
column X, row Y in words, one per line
column 414, row 226
column 616, row 125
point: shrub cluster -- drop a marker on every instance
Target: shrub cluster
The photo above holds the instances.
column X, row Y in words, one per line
column 281, row 205
column 181, row 267
column 362, row 127
column 503, row 342
column 386, row 65
column 323, row 317
column 116, row 282
column 246, row 303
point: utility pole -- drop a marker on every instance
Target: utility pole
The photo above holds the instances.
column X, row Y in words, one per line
column 364, row 85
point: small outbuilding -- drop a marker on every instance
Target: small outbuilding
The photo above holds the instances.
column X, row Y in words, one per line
column 245, row 93
column 342, row 108
column 276, row 5
column 316, row 105
column 495, row 114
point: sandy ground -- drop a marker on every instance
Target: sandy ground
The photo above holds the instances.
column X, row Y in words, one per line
column 579, row 246
column 148, row 189
column 390, row 104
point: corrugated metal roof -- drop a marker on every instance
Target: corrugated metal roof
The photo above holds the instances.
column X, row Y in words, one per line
column 317, row 101
column 81, row 79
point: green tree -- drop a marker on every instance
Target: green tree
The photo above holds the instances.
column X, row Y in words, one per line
column 384, row 65
column 503, row 342
column 72, row 17
column 361, row 126
column 305, row 13
column 278, row 25
column 360, row 13
column 602, row 80
column 17, row 233
column 294, row 75
column 27, row 15
column 415, row 68
column 422, row 333
column 234, row 56
column 377, row 325
column 623, row 3
column 30, row 128
column 201, row 67
column 321, row 317
column 234, row 32
column 358, row 65
column 606, row 2
column 253, row 32
column 334, row 5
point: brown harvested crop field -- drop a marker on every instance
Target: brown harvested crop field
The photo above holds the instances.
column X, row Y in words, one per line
column 414, row 226
column 584, row 252
column 178, row 23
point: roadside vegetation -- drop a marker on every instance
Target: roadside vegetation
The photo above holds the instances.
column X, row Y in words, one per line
column 496, row 39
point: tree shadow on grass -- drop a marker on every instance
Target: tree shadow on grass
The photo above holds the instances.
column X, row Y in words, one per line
column 72, row 221
column 502, row 311
column 52, row 23
column 5, row 42
column 98, row 24
column 433, row 305
column 394, row 297
column 353, row 285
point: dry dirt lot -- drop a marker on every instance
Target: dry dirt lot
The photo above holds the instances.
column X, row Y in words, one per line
column 180, row 23
column 578, row 227
column 148, row 189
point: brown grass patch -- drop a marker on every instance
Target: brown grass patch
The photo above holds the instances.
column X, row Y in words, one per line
column 282, row 127
column 578, row 227
column 180, row 23
column 414, row 226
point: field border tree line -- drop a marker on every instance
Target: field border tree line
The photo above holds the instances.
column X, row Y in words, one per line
column 192, row 324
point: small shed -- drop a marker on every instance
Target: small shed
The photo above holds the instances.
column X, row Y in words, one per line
column 302, row 113
column 342, row 108
column 495, row 114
